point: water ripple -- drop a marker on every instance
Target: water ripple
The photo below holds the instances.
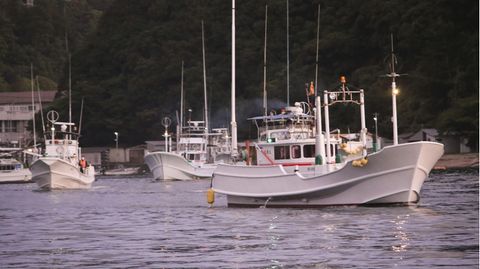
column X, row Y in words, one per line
column 135, row 222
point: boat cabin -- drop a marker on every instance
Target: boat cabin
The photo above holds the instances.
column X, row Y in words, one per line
column 62, row 144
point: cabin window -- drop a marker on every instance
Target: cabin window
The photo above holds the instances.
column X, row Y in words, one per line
column 282, row 152
column 191, row 157
column 7, row 167
column 309, row 151
column 296, row 152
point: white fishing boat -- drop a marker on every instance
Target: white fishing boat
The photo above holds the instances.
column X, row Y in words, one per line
column 58, row 167
column 196, row 156
column 12, row 170
column 349, row 176
column 393, row 175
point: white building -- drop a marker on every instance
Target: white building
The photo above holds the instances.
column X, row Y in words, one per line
column 16, row 114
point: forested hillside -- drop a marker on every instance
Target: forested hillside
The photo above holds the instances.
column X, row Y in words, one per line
column 38, row 35
column 127, row 59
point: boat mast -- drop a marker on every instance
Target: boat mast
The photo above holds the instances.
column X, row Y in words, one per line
column 33, row 107
column 205, row 82
column 69, row 92
column 393, row 75
column 316, row 58
column 80, row 121
column 181, row 102
column 41, row 110
column 327, row 126
column 265, row 65
column 319, row 141
column 234, row 122
column 69, row 72
column 288, row 62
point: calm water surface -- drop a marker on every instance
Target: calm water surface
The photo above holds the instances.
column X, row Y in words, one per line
column 138, row 223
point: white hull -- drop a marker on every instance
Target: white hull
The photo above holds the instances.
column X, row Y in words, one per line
column 122, row 172
column 392, row 175
column 16, row 176
column 55, row 173
column 170, row 166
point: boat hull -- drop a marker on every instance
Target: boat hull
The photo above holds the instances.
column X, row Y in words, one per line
column 170, row 166
column 54, row 173
column 16, row 176
column 394, row 175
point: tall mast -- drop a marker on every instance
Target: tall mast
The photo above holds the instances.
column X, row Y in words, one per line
column 80, row 121
column 181, row 101
column 265, row 64
column 288, row 62
column 69, row 73
column 33, row 107
column 316, row 58
column 319, row 141
column 69, row 91
column 393, row 75
column 41, row 109
column 205, row 82
column 234, row 122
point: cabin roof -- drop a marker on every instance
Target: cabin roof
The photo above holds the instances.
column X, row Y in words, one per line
column 281, row 117
column 25, row 97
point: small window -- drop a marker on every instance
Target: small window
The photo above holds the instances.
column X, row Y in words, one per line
column 282, row 152
column 296, row 153
column 309, row 151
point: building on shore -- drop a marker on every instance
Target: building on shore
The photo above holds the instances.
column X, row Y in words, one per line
column 16, row 113
column 454, row 143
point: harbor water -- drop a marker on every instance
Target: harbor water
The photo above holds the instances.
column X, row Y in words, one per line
column 138, row 223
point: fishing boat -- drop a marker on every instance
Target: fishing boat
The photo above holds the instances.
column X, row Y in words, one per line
column 196, row 156
column 393, row 175
column 12, row 170
column 198, row 150
column 58, row 167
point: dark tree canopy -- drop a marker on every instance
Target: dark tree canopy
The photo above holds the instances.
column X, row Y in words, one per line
column 127, row 58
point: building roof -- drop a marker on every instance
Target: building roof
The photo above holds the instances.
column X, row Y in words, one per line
column 25, row 97
column 418, row 136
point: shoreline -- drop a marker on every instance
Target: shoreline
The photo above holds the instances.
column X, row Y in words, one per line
column 457, row 161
